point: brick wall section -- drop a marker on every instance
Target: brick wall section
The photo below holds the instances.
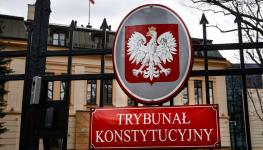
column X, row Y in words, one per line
column 82, row 130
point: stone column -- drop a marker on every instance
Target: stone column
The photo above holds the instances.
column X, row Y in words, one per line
column 79, row 90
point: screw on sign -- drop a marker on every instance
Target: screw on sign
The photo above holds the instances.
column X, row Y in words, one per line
column 152, row 54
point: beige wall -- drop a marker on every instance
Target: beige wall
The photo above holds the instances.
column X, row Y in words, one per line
column 256, row 117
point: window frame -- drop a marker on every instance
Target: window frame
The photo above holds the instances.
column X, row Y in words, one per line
column 211, row 94
column 106, row 99
column 50, row 90
column 187, row 91
column 62, row 92
column 91, row 83
column 59, row 40
column 198, row 89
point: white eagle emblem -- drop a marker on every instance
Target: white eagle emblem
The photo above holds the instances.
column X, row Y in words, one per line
column 153, row 54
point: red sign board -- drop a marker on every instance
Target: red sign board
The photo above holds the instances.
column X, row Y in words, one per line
column 155, row 127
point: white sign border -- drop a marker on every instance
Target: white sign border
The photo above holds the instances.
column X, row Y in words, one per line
column 185, row 76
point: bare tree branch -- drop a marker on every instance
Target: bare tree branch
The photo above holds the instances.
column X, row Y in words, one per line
column 253, row 58
column 234, row 11
column 217, row 3
column 224, row 31
column 221, row 30
column 260, row 100
column 253, row 26
column 210, row 10
column 259, row 59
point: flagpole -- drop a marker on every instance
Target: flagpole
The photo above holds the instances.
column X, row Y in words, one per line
column 89, row 13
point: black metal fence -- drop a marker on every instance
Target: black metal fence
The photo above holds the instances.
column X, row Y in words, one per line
column 33, row 119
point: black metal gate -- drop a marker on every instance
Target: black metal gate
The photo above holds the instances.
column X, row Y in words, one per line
column 37, row 117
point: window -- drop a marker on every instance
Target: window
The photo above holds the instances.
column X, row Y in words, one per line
column 198, row 91
column 185, row 99
column 50, row 89
column 107, row 95
column 211, row 99
column 59, row 39
column 91, row 91
column 62, row 90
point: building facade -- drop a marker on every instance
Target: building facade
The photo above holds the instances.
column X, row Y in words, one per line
column 86, row 94
column 235, row 109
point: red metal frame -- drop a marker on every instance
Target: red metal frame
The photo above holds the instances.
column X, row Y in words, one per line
column 213, row 106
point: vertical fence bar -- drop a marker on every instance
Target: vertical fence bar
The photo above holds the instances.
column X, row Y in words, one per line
column 102, row 65
column 204, row 21
column 72, row 27
column 23, row 132
column 244, row 83
column 172, row 102
column 35, row 65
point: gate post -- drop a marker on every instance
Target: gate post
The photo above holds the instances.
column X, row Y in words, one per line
column 35, row 65
column 72, row 27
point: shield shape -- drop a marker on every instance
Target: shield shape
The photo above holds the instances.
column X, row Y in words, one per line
column 161, row 74
column 152, row 53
